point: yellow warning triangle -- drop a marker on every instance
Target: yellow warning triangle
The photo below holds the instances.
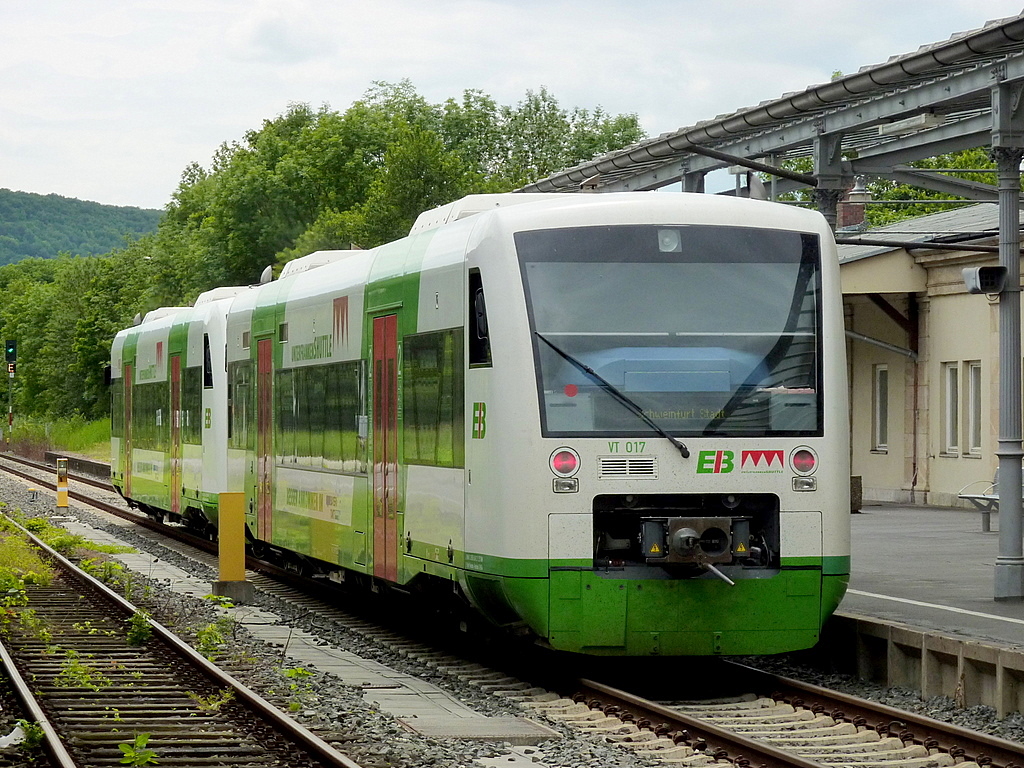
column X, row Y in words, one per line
column 655, row 549
column 741, row 548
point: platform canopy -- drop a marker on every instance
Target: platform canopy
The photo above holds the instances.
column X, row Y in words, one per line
column 944, row 97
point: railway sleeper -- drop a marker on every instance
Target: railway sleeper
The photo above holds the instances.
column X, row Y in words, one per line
column 751, row 703
column 866, row 738
column 938, row 760
column 783, row 714
column 808, row 723
column 839, row 729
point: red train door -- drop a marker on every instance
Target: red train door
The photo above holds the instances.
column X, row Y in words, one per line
column 264, row 460
column 385, row 447
column 176, row 434
column 128, row 387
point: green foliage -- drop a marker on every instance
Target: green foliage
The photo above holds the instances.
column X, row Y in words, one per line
column 884, row 189
column 34, row 734
column 75, row 673
column 214, row 702
column 136, row 753
column 879, row 214
column 59, row 538
column 139, row 628
column 306, row 180
column 20, row 564
column 299, row 686
column 44, row 226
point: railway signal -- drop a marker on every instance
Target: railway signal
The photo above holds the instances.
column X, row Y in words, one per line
column 11, row 351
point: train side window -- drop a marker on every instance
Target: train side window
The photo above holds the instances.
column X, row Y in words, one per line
column 117, row 408
column 479, row 339
column 432, row 390
column 241, row 420
column 191, row 406
column 207, row 363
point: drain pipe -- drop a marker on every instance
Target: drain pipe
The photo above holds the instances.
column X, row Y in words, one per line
column 883, row 344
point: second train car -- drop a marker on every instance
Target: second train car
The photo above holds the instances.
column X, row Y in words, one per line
column 615, row 422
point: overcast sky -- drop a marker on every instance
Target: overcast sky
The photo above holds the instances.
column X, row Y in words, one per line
column 109, row 100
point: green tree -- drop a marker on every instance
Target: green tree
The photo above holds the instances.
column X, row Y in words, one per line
column 306, row 180
column 419, row 174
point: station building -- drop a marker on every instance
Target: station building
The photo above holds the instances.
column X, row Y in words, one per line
column 923, row 358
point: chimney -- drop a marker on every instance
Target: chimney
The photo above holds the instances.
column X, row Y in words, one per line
column 851, row 208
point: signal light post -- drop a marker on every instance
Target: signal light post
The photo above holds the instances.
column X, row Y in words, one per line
column 11, row 355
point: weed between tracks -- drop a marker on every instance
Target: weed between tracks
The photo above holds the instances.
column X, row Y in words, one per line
column 203, row 623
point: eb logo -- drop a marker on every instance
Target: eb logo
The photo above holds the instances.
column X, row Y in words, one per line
column 714, row 462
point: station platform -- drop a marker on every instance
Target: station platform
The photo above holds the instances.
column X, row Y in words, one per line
column 931, row 568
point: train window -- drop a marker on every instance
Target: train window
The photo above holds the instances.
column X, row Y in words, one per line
column 318, row 412
column 117, row 407
column 285, row 411
column 192, row 406
column 241, row 426
column 479, row 337
column 432, row 399
column 150, row 431
column 707, row 330
column 207, row 363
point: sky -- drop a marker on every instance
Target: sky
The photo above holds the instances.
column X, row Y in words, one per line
column 110, row 100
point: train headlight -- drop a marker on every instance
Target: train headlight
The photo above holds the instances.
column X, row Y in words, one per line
column 805, row 483
column 565, row 485
column 565, row 462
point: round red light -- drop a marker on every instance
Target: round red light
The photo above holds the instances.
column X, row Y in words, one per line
column 804, row 461
column 571, row 390
column 565, row 462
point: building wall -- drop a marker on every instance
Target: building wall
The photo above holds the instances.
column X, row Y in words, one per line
column 881, row 468
column 964, row 334
column 921, row 461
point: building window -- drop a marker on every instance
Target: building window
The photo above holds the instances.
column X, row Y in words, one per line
column 974, row 412
column 880, row 409
column 951, row 408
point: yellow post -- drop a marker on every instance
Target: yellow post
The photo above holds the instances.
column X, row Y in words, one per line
column 231, row 549
column 62, row 483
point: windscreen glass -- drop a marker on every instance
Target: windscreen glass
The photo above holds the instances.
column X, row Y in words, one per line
column 705, row 330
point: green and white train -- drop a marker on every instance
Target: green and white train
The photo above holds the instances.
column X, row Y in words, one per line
column 614, row 422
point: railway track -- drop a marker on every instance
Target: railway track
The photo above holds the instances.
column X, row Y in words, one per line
column 784, row 723
column 798, row 725
column 111, row 684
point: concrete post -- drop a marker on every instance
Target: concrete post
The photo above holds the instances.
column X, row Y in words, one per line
column 1009, row 568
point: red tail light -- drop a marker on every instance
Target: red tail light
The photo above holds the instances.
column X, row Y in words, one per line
column 803, row 461
column 565, row 462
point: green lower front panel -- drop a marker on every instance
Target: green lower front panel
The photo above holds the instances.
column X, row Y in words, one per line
column 581, row 612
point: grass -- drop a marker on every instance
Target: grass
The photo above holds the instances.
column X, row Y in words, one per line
column 34, row 437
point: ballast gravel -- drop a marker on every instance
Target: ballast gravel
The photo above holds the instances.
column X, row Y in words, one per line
column 339, row 713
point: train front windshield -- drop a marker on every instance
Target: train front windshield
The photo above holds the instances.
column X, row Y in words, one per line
column 706, row 330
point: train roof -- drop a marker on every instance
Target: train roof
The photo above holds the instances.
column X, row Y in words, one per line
column 224, row 292
column 314, row 260
column 472, row 204
column 162, row 312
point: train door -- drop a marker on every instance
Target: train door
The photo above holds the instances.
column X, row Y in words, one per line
column 176, row 434
column 264, row 460
column 385, row 447
column 128, row 464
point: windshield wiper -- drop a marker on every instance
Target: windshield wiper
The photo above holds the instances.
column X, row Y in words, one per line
column 622, row 397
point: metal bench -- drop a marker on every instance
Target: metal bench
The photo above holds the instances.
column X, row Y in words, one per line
column 987, row 500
